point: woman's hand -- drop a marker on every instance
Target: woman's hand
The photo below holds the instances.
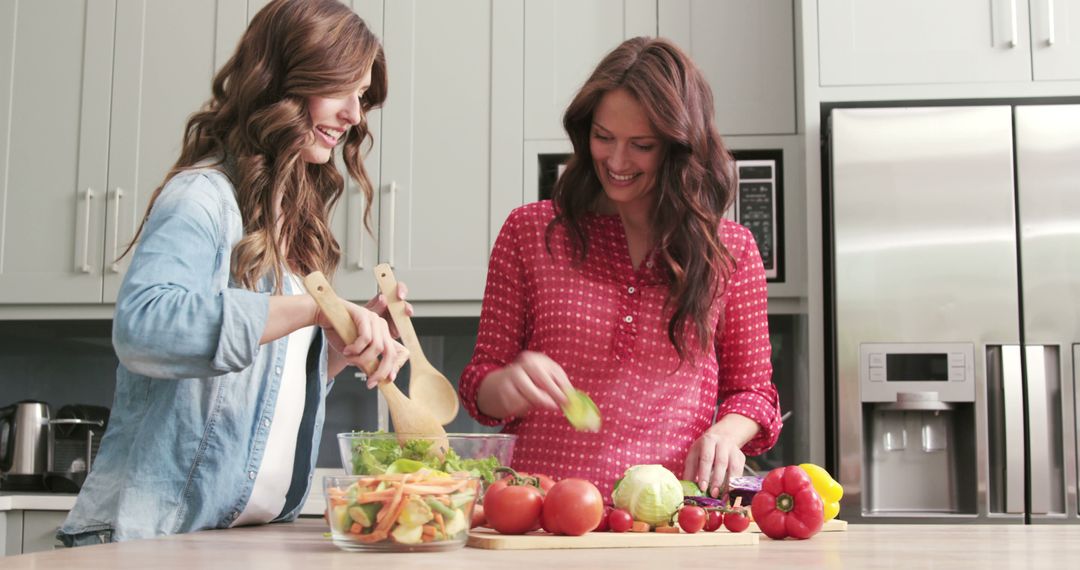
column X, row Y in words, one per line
column 378, row 305
column 532, row 380
column 373, row 339
column 717, row 455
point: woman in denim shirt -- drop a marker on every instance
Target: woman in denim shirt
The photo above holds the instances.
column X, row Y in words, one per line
column 223, row 372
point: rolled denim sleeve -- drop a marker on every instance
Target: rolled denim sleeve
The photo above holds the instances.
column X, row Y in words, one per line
column 175, row 315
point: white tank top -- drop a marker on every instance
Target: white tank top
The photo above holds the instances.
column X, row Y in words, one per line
column 276, row 470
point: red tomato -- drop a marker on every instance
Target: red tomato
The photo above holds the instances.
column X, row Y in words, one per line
column 603, row 526
column 715, row 521
column 620, row 520
column 692, row 519
column 545, row 483
column 573, row 506
column 514, row 510
column 736, row 521
column 478, row 518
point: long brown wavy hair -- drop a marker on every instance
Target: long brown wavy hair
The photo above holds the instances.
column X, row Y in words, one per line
column 256, row 123
column 695, row 182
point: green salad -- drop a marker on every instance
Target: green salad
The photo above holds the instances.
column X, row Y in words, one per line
column 377, row 456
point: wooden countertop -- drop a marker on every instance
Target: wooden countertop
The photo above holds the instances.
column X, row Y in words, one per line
column 302, row 545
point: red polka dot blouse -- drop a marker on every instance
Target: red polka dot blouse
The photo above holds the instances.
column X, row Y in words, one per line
column 604, row 323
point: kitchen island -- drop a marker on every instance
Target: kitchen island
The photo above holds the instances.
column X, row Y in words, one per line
column 302, row 545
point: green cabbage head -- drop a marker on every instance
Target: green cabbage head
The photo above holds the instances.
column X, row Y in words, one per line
column 650, row 493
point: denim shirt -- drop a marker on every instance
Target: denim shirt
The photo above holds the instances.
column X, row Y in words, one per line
column 195, row 392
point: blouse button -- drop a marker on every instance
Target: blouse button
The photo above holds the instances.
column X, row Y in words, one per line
column 648, row 264
column 630, row 290
column 629, row 319
column 251, row 475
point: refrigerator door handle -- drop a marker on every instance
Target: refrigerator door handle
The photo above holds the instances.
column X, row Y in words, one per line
column 1013, row 400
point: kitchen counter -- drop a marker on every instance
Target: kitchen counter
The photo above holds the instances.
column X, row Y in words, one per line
column 302, row 545
column 36, row 501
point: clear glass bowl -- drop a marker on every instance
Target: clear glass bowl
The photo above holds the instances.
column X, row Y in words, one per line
column 401, row 512
column 370, row 453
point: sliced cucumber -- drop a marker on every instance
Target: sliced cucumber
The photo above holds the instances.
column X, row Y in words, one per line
column 364, row 515
column 581, row 411
column 406, row 534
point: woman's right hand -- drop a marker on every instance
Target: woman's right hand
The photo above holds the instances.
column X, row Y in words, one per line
column 532, row 380
column 373, row 339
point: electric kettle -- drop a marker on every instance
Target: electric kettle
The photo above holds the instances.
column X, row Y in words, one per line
column 24, row 439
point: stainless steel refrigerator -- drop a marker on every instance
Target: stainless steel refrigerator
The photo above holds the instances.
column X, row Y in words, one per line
column 953, row 297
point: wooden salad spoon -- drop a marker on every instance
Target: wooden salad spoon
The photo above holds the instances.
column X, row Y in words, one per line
column 410, row 417
column 426, row 384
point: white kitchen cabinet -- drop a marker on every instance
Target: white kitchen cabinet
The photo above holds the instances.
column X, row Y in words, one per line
column 26, row 531
column 564, row 41
column 882, row 42
column 165, row 58
column 447, row 118
column 1055, row 39
column 95, row 96
column 747, row 52
column 55, row 85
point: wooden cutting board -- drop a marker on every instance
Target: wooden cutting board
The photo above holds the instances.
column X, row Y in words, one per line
column 491, row 540
column 834, row 525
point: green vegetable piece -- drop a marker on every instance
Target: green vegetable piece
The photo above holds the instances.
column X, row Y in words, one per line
column 436, row 505
column 406, row 534
column 415, row 513
column 581, row 411
column 459, row 500
column 364, row 515
column 340, row 518
column 691, row 489
column 456, row 524
column 405, row 466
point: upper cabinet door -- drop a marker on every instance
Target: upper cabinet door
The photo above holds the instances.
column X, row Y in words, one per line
column 879, row 42
column 747, row 52
column 355, row 279
column 564, row 41
column 1055, row 39
column 436, row 146
column 55, row 78
column 166, row 57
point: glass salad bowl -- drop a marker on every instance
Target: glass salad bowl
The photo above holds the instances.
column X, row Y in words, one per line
column 425, row 510
column 377, row 453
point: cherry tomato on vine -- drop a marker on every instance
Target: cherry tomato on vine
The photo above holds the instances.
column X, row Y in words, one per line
column 715, row 521
column 692, row 519
column 620, row 520
column 514, row 509
column 603, row 526
column 736, row 521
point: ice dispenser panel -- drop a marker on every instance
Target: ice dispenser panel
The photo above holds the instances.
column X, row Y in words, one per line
column 918, row 428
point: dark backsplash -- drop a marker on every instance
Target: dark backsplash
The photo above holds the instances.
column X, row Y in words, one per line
column 72, row 362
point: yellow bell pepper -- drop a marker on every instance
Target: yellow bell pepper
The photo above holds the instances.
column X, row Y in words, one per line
column 826, row 487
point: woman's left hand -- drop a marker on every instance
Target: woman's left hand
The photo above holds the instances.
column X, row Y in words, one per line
column 717, row 455
column 378, row 305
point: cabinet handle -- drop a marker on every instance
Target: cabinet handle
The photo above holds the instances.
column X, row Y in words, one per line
column 393, row 201
column 89, row 197
column 118, row 193
column 1012, row 18
column 1050, row 22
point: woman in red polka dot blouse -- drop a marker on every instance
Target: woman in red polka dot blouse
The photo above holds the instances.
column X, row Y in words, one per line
column 631, row 286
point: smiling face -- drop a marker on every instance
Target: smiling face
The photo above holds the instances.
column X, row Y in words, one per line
column 331, row 118
column 626, row 150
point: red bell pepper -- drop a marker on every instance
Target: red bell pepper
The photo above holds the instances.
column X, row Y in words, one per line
column 788, row 505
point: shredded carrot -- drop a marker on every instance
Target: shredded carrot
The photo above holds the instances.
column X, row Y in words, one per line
column 439, row 521
column 376, row 496
column 355, row 528
column 433, row 489
column 375, row 536
column 395, row 508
